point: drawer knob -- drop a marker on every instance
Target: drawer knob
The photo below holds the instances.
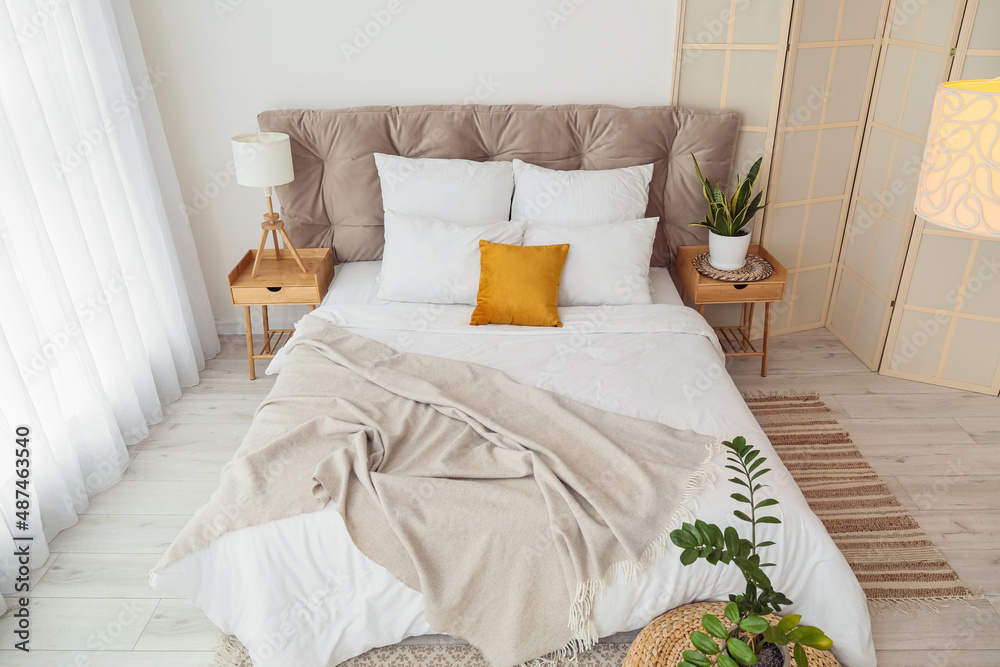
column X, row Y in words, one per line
column 278, row 289
column 736, row 286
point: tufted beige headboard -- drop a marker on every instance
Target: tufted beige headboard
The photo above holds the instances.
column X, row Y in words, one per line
column 335, row 200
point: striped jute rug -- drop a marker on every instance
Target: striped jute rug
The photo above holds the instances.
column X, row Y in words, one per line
column 891, row 555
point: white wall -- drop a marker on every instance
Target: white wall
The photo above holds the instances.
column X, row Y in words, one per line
column 217, row 63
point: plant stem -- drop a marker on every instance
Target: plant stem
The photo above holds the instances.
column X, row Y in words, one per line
column 753, row 509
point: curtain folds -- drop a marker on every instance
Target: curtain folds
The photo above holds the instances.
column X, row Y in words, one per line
column 102, row 321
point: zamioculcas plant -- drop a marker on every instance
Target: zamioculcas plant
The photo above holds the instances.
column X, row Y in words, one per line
column 727, row 216
column 719, row 646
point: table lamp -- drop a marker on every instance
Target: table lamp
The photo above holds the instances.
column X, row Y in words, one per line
column 264, row 160
column 959, row 185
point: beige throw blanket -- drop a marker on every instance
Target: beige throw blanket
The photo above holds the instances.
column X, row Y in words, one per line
column 507, row 506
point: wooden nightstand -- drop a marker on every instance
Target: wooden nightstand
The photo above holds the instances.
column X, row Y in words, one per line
column 703, row 290
column 278, row 283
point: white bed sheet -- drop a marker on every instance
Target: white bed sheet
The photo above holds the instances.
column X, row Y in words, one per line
column 297, row 591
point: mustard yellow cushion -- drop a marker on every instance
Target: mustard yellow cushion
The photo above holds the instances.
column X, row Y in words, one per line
column 519, row 284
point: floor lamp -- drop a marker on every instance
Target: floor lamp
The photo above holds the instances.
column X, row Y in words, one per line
column 264, row 160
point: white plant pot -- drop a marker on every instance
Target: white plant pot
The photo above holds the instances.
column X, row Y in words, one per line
column 728, row 253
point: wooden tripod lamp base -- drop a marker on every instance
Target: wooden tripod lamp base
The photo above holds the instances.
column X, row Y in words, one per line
column 273, row 224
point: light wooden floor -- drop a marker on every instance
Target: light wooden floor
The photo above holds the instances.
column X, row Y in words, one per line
column 938, row 449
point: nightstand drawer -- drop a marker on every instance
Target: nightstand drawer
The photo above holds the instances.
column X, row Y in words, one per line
column 739, row 292
column 276, row 294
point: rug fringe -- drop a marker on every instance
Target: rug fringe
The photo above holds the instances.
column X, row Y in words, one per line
column 582, row 627
column 918, row 607
column 762, row 394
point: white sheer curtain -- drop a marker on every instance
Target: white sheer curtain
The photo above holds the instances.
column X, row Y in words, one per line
column 101, row 320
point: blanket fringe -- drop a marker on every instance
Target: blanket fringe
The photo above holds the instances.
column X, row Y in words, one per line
column 568, row 653
column 580, row 623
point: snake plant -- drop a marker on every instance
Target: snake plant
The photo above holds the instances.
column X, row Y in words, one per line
column 727, row 216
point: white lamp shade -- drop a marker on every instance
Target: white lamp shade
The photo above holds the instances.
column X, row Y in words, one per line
column 959, row 185
column 263, row 159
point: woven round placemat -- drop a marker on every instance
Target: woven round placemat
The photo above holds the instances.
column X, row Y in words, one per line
column 756, row 268
column 662, row 642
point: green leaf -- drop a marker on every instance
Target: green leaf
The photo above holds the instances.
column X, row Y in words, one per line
column 741, row 515
column 751, row 455
column 767, row 502
column 739, row 440
column 696, row 658
column 726, row 661
column 732, row 538
column 716, row 536
column 768, row 519
column 737, row 480
column 799, row 654
column 755, row 171
column 741, row 651
column 756, row 463
column 714, row 626
column 740, row 497
column 759, row 577
column 754, row 624
column 706, row 187
column 777, row 600
column 697, row 169
column 768, row 543
column 689, row 556
column 732, row 612
column 707, row 532
column 704, row 643
column 693, row 532
column 759, row 473
column 743, row 191
column 685, row 663
column 702, row 529
column 805, row 633
column 682, row 539
column 774, row 635
column 789, row 623
column 819, row 642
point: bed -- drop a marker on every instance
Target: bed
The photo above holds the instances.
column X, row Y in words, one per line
column 297, row 590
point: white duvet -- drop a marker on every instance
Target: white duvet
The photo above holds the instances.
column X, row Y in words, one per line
column 298, row 593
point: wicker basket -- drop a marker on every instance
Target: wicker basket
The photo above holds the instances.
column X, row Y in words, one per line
column 662, row 642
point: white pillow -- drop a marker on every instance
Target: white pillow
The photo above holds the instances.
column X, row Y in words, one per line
column 432, row 261
column 580, row 197
column 606, row 265
column 464, row 192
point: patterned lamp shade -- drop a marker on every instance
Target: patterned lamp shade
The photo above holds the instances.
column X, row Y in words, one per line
column 959, row 183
